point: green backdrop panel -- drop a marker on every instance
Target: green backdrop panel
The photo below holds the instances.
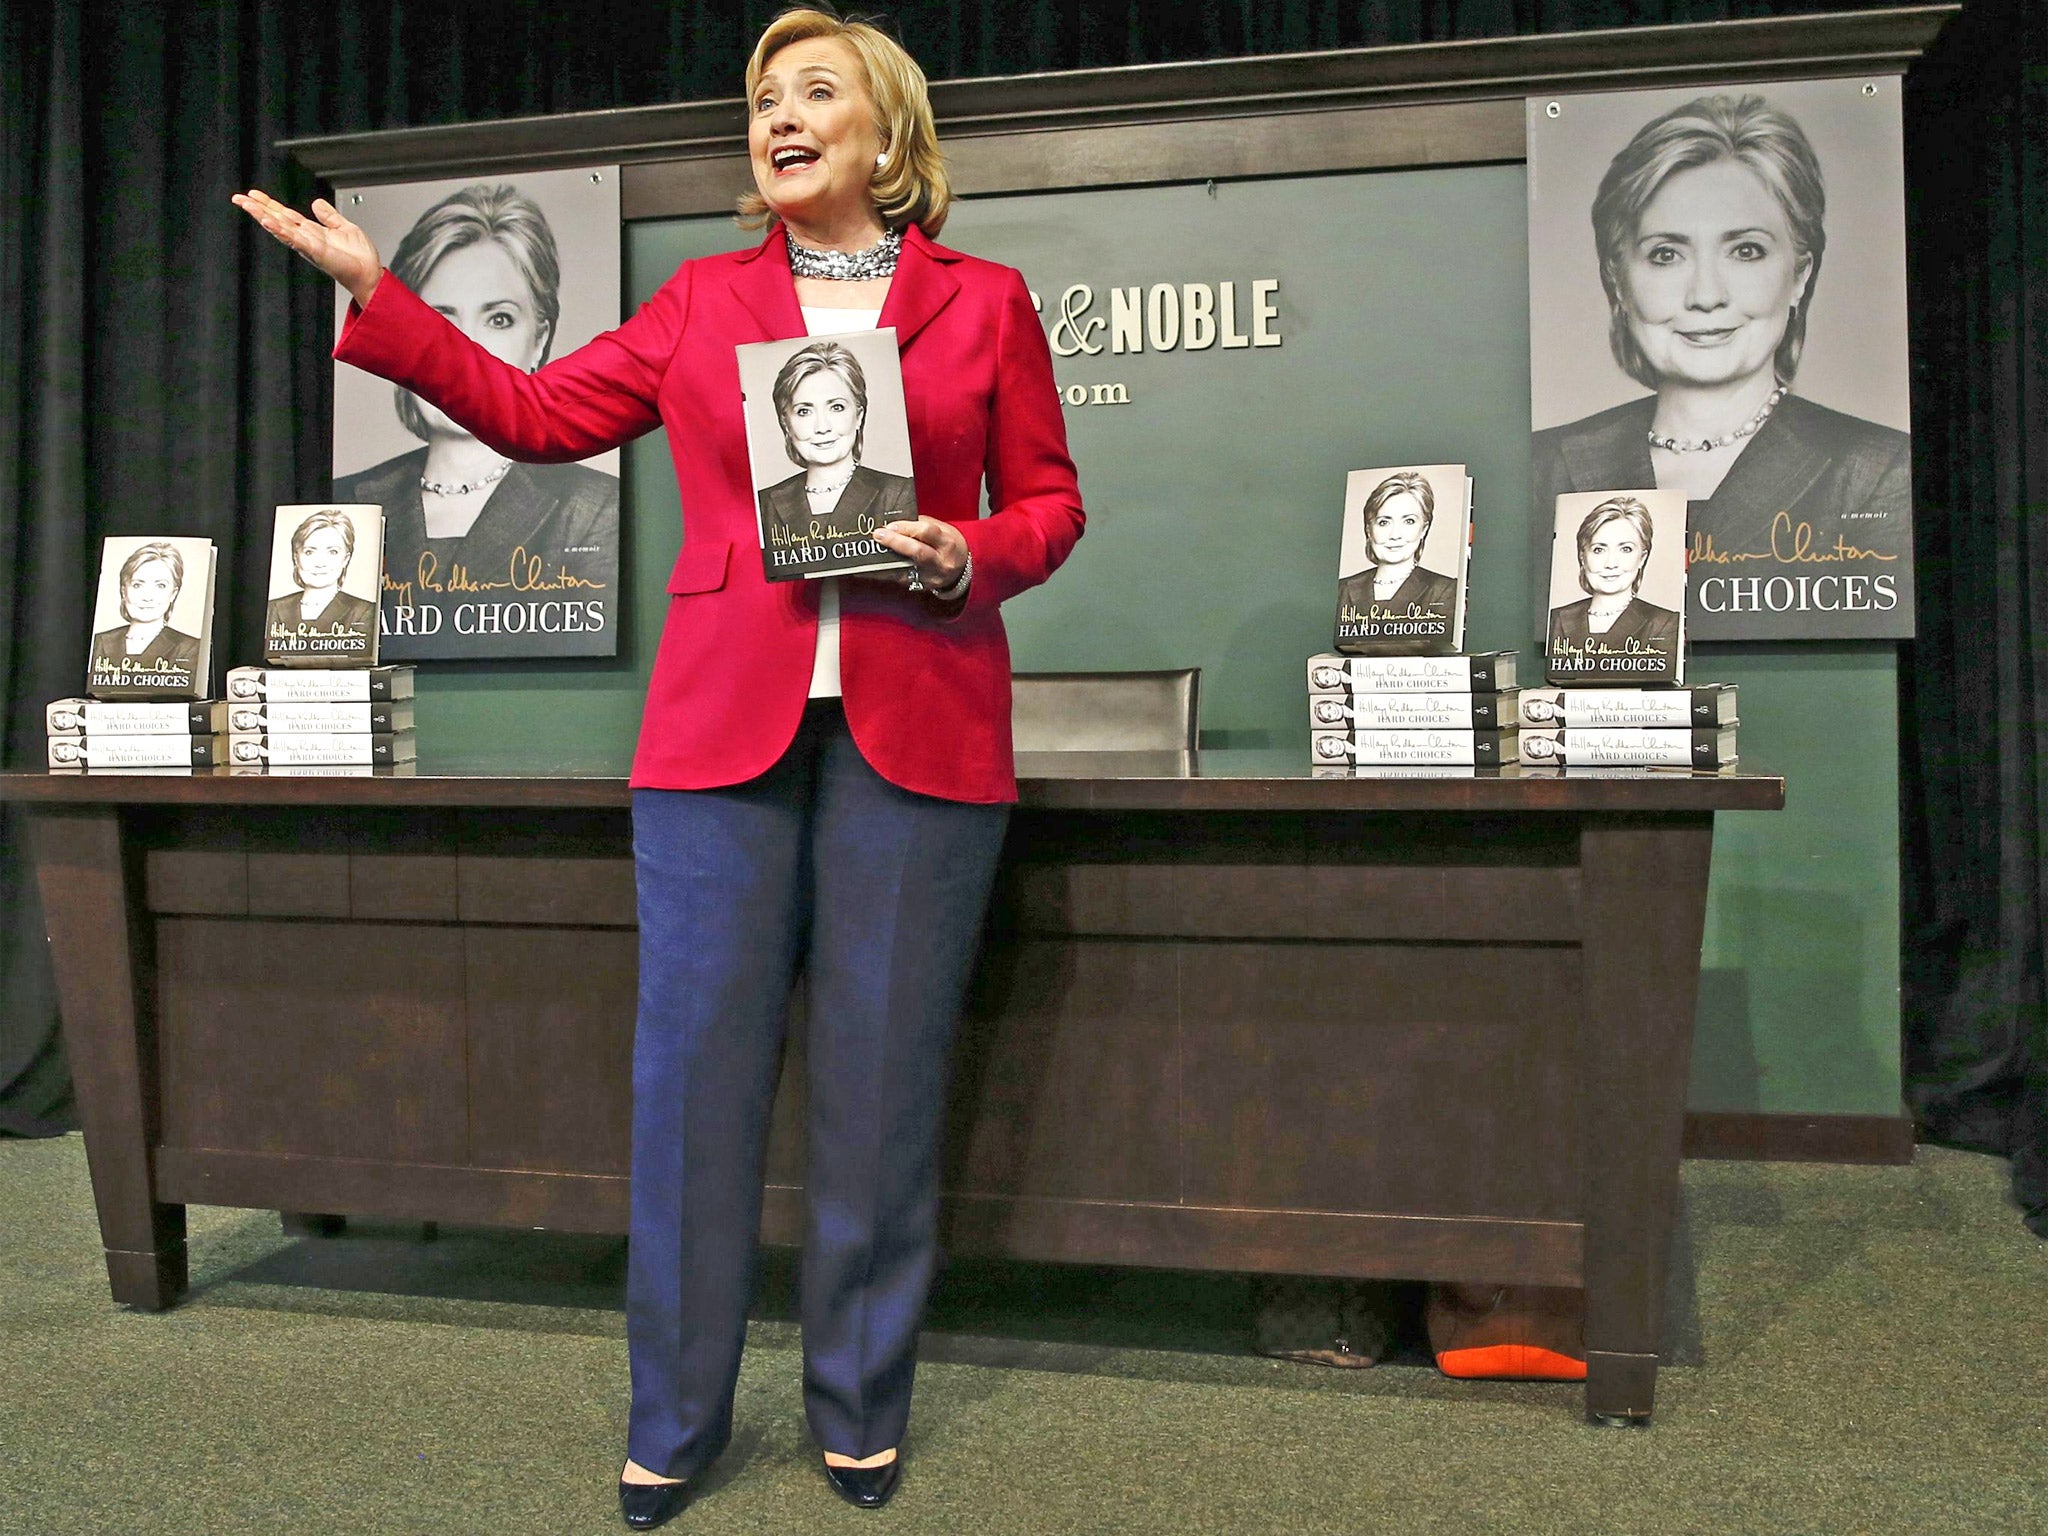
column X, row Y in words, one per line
column 1213, row 494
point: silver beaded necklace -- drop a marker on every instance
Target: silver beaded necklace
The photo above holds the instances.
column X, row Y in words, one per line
column 1705, row 444
column 878, row 260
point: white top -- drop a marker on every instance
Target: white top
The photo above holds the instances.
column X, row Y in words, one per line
column 819, row 321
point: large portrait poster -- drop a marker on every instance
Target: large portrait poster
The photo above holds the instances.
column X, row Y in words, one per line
column 484, row 557
column 1717, row 305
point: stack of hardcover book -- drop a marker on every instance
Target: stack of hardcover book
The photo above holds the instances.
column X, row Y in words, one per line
column 320, row 717
column 1657, row 727
column 1399, row 711
column 148, row 672
column 1615, row 657
column 139, row 733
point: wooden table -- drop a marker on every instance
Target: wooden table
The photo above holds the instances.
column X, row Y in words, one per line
column 1231, row 1016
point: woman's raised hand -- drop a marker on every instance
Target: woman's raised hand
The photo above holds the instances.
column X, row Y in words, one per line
column 334, row 245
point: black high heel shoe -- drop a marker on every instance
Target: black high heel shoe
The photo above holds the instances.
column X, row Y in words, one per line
column 865, row 1487
column 647, row 1505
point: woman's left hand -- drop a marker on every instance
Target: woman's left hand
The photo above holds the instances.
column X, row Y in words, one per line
column 936, row 546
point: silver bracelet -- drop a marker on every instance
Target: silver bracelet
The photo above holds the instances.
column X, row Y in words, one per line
column 953, row 590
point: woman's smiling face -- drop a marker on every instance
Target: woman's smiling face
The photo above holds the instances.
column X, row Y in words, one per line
column 824, row 418
column 1711, row 277
column 811, row 133
column 322, row 558
column 151, row 587
column 1614, row 555
column 1395, row 531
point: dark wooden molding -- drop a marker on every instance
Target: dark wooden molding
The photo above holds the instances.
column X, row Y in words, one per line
column 1794, row 1138
column 1387, row 85
column 1043, row 783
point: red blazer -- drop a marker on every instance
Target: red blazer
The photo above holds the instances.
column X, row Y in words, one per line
column 927, row 686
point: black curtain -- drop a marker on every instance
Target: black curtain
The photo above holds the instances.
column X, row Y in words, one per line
column 162, row 369
column 1974, row 686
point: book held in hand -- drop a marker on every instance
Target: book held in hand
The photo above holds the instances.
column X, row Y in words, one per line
column 319, row 685
column 1617, row 588
column 828, row 440
column 1402, row 560
column 326, row 573
column 1483, row 672
column 1707, row 704
column 152, row 620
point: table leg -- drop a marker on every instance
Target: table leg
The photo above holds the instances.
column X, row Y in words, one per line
column 99, row 951
column 1643, row 902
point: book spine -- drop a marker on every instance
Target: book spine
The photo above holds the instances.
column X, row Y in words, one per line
column 1485, row 673
column 318, row 749
column 286, row 719
column 1625, row 746
column 1411, row 711
column 1660, row 708
column 81, row 717
column 135, row 751
column 1486, row 749
column 272, row 685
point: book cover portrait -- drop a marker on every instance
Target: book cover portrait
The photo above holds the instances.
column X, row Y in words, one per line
column 1401, row 561
column 152, row 619
column 484, row 556
column 326, row 570
column 1717, row 306
column 828, row 441
column 1617, row 588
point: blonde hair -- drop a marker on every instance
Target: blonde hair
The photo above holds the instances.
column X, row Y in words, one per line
column 912, row 187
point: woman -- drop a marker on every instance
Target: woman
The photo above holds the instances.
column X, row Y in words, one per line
column 821, row 399
column 835, row 800
column 485, row 258
column 323, row 546
column 1710, row 228
column 149, row 582
column 1614, row 543
column 1397, row 517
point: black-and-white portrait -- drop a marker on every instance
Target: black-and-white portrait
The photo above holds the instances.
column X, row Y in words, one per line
column 1617, row 588
column 1717, row 308
column 828, row 440
column 326, row 567
column 485, row 557
column 150, row 619
column 1401, row 562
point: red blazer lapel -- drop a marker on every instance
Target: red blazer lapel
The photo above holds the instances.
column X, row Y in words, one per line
column 763, row 285
column 923, row 286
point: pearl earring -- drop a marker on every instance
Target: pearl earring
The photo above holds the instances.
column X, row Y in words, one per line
column 882, row 159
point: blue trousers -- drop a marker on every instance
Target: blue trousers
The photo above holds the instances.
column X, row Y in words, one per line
column 877, row 895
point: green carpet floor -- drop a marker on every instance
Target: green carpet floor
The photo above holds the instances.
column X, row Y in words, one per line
column 1861, row 1350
